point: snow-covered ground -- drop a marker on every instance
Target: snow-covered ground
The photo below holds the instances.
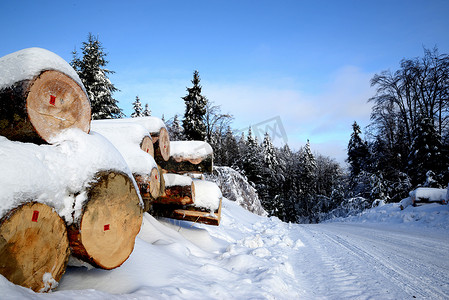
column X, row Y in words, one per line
column 383, row 253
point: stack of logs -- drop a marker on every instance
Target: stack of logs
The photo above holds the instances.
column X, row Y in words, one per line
column 37, row 106
column 168, row 189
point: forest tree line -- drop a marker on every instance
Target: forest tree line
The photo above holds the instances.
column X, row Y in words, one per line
column 405, row 146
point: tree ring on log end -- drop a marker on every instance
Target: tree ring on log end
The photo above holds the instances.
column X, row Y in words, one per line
column 111, row 220
column 33, row 242
column 147, row 145
column 56, row 102
column 155, row 185
column 164, row 144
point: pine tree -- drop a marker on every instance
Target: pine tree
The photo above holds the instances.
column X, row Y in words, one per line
column 94, row 76
column 426, row 152
column 176, row 131
column 252, row 159
column 307, row 184
column 231, row 149
column 146, row 111
column 193, row 123
column 137, row 106
column 358, row 152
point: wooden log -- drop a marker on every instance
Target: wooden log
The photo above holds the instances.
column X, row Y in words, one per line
column 149, row 186
column 35, row 110
column 104, row 235
column 34, row 248
column 179, row 189
column 189, row 157
column 147, row 145
column 183, row 166
column 161, row 143
column 187, row 213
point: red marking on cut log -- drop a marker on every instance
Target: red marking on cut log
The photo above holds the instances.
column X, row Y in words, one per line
column 148, row 150
column 165, row 146
column 156, row 177
column 35, row 216
column 106, row 227
column 52, row 100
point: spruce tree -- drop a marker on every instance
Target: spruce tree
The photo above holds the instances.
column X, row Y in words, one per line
column 358, row 152
column 137, row 106
column 94, row 76
column 146, row 111
column 176, row 131
column 193, row 123
column 307, row 184
column 426, row 152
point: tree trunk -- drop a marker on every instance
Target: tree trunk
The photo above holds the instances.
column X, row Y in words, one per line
column 182, row 165
column 149, row 186
column 34, row 248
column 147, row 145
column 161, row 143
column 38, row 109
column 179, row 189
column 104, row 235
column 187, row 213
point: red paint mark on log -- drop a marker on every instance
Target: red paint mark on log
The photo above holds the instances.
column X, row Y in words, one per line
column 156, row 177
column 106, row 227
column 148, row 150
column 35, row 216
column 52, row 100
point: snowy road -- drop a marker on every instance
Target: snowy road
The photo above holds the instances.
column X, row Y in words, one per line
column 344, row 261
column 382, row 254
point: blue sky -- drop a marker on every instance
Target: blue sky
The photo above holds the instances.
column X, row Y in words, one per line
column 308, row 62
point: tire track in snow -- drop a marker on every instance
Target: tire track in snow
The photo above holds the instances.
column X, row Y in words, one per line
column 324, row 270
column 387, row 266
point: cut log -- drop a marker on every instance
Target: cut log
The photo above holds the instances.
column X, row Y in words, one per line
column 104, row 235
column 34, row 248
column 206, row 207
column 189, row 157
column 147, row 145
column 37, row 109
column 179, row 189
column 183, row 166
column 149, row 186
column 161, row 143
column 187, row 213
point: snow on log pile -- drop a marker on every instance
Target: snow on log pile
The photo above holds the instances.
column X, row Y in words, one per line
column 40, row 95
column 74, row 195
column 159, row 134
column 176, row 162
column 134, row 142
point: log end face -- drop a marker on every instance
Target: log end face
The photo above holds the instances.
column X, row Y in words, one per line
column 28, row 232
column 111, row 221
column 56, row 102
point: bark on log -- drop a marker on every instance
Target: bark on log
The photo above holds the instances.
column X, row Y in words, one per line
column 179, row 189
column 34, row 248
column 161, row 143
column 104, row 235
column 147, row 145
column 36, row 110
column 183, row 166
column 149, row 186
column 187, row 213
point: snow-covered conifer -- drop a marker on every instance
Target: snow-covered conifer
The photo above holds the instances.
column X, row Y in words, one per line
column 193, row 123
column 137, row 106
column 146, row 112
column 94, row 76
